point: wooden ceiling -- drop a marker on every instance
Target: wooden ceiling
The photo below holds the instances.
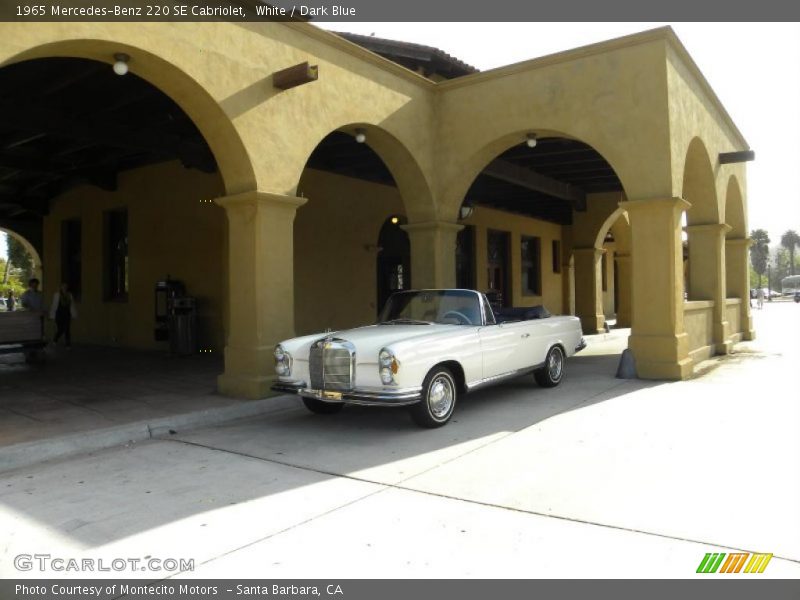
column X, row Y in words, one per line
column 66, row 122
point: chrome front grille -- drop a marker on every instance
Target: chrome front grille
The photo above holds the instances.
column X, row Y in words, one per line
column 332, row 365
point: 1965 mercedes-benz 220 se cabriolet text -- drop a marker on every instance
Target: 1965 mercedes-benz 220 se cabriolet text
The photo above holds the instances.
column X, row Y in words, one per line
column 429, row 347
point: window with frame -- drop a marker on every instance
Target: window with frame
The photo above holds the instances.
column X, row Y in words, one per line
column 556, row 256
column 116, row 255
column 531, row 266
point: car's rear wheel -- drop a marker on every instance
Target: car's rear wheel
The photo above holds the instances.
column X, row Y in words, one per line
column 439, row 396
column 322, row 408
column 552, row 372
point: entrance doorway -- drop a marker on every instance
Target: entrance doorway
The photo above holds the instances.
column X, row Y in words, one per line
column 498, row 243
column 394, row 260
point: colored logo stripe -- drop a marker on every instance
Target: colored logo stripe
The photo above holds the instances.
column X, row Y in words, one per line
column 758, row 563
column 711, row 562
column 734, row 562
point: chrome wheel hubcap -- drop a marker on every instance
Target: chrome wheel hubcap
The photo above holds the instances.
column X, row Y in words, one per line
column 440, row 397
column 555, row 365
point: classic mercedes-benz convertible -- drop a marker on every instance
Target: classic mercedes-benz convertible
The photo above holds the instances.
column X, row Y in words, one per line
column 429, row 347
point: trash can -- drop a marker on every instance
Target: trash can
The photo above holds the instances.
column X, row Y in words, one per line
column 183, row 326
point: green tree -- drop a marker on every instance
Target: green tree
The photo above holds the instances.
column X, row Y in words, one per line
column 790, row 240
column 759, row 252
column 19, row 258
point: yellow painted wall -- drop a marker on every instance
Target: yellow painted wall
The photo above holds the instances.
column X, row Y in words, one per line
column 335, row 241
column 170, row 231
column 484, row 219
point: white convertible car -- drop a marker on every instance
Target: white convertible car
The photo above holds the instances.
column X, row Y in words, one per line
column 429, row 347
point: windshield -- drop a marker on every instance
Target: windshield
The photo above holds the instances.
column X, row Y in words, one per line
column 445, row 307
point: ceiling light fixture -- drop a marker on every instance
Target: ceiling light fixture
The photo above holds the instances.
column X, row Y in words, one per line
column 531, row 140
column 361, row 136
column 121, row 63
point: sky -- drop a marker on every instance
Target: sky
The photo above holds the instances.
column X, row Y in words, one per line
column 754, row 68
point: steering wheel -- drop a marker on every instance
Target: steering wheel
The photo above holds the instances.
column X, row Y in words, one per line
column 464, row 320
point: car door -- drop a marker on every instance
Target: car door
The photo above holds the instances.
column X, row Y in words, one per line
column 499, row 349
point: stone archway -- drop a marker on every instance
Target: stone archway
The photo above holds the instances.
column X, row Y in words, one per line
column 737, row 275
column 704, row 312
column 30, row 249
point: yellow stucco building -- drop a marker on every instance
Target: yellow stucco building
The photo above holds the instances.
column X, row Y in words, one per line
column 290, row 198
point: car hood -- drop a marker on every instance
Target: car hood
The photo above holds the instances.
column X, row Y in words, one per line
column 370, row 339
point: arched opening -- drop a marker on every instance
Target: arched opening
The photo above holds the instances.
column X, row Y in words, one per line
column 614, row 239
column 118, row 180
column 19, row 263
column 393, row 264
column 699, row 190
column 535, row 210
column 360, row 184
column 737, row 263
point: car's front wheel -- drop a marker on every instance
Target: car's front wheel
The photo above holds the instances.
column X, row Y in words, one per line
column 439, row 396
column 551, row 373
column 322, row 408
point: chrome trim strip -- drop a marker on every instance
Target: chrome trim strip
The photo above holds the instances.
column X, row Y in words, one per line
column 366, row 397
column 502, row 377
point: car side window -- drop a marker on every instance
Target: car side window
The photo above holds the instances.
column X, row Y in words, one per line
column 488, row 314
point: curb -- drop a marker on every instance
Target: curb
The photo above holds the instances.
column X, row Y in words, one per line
column 27, row 454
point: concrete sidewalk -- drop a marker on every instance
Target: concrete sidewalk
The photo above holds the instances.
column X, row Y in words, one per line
column 596, row 478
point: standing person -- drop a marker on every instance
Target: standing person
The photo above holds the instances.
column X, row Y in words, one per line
column 760, row 298
column 32, row 299
column 11, row 301
column 63, row 311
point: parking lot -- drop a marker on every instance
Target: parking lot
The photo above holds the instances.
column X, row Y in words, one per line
column 599, row 477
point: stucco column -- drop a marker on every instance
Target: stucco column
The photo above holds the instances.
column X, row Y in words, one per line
column 433, row 253
column 624, row 290
column 260, row 288
column 589, row 289
column 738, row 280
column 658, row 340
column 707, row 275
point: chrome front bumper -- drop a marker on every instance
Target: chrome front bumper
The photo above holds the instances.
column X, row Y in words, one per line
column 364, row 397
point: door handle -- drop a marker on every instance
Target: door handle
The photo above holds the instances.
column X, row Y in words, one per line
column 526, row 335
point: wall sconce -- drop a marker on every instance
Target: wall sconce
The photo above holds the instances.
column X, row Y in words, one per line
column 531, row 140
column 395, row 220
column 465, row 212
column 121, row 63
column 361, row 136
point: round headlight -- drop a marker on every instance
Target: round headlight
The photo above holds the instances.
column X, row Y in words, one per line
column 386, row 375
column 385, row 358
column 281, row 368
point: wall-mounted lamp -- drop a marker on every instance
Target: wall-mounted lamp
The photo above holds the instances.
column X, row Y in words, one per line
column 121, row 63
column 395, row 220
column 531, row 140
column 466, row 211
column 361, row 136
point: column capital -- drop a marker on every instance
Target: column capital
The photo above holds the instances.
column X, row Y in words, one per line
column 654, row 203
column 447, row 226
column 589, row 251
column 721, row 228
column 746, row 242
column 257, row 198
